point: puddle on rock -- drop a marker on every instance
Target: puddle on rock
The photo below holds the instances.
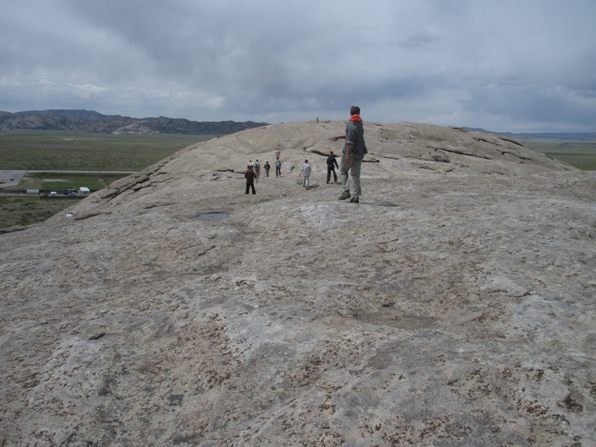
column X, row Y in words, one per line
column 214, row 215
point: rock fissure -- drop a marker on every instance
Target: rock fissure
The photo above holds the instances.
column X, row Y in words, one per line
column 460, row 152
column 484, row 140
column 521, row 157
column 508, row 140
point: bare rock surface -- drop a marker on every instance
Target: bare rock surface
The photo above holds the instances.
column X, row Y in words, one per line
column 453, row 306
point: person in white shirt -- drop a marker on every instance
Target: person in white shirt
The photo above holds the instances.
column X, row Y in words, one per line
column 306, row 170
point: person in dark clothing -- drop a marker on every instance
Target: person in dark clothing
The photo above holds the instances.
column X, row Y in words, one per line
column 331, row 165
column 250, row 176
column 267, row 166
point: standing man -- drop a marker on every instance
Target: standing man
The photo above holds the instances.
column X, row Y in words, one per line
column 277, row 168
column 331, row 165
column 267, row 166
column 351, row 156
column 250, row 176
column 277, row 152
column 257, row 167
column 306, row 170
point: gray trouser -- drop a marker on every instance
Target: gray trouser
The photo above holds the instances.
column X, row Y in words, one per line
column 352, row 165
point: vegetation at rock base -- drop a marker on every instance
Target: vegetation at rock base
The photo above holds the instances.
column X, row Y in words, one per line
column 23, row 211
column 49, row 181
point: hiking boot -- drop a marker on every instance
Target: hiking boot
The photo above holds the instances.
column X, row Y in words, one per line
column 344, row 195
column 354, row 200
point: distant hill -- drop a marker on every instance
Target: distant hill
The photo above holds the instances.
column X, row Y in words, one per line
column 91, row 121
column 575, row 136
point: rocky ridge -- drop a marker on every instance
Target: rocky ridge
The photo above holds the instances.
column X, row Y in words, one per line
column 453, row 306
column 91, row 121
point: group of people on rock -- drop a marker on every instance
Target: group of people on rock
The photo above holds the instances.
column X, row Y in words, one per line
column 353, row 152
column 253, row 171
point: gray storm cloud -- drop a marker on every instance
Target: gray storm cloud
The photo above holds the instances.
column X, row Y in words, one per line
column 502, row 65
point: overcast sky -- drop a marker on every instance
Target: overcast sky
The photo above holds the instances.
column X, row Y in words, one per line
column 518, row 65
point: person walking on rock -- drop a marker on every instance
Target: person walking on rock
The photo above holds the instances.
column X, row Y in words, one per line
column 331, row 165
column 257, row 169
column 277, row 152
column 267, row 166
column 306, row 170
column 250, row 176
column 277, row 168
column 351, row 156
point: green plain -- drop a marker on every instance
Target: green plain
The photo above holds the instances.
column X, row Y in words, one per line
column 73, row 151
column 581, row 154
column 66, row 151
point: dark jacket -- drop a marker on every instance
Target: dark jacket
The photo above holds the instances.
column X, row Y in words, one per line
column 250, row 177
column 331, row 161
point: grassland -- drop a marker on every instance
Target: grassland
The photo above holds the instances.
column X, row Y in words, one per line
column 67, row 151
column 581, row 154
column 73, row 151
column 22, row 211
column 56, row 181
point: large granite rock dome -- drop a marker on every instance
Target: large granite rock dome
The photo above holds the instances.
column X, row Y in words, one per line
column 453, row 306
